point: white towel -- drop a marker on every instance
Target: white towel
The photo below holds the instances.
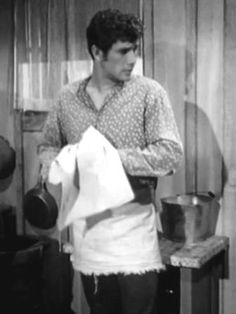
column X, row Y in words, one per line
column 64, row 170
column 103, row 183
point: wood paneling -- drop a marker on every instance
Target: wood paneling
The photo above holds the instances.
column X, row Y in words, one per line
column 66, row 47
column 148, row 47
column 210, row 95
column 7, row 193
column 190, row 147
column 229, row 152
column 19, row 146
column 164, row 60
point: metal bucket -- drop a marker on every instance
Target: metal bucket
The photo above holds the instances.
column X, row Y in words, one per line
column 189, row 217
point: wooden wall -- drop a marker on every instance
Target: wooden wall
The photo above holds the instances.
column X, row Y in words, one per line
column 189, row 47
column 185, row 54
column 7, row 189
column 229, row 151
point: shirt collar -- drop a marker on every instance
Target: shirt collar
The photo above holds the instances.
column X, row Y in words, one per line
column 82, row 87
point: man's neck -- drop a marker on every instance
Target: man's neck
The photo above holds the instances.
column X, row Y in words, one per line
column 98, row 88
column 100, row 82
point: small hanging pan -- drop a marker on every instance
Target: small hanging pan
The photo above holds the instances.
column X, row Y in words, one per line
column 40, row 207
column 7, row 159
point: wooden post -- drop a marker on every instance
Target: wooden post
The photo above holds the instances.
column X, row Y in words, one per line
column 20, row 228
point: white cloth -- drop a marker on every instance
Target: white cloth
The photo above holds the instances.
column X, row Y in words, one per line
column 126, row 242
column 121, row 239
column 96, row 165
column 64, row 170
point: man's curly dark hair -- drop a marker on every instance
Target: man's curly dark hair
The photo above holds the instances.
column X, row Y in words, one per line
column 109, row 26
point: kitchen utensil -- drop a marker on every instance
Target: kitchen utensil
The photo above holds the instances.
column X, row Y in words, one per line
column 7, row 159
column 189, row 217
column 40, row 207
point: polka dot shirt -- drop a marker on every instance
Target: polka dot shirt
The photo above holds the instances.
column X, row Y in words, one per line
column 136, row 117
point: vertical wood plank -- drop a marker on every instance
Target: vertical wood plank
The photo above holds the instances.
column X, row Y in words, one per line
column 229, row 82
column 169, row 70
column 148, row 47
column 214, row 291
column 185, row 290
column 210, row 95
column 190, row 97
column 196, row 290
column 229, row 213
column 19, row 171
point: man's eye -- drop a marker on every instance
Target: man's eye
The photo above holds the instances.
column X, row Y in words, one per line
column 124, row 51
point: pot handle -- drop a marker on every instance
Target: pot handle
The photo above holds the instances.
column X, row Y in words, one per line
column 211, row 194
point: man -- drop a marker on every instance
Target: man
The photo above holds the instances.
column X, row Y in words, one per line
column 118, row 255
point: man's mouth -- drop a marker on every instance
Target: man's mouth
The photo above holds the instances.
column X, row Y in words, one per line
column 128, row 71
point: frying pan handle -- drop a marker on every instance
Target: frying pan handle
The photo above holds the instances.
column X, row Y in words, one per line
column 41, row 182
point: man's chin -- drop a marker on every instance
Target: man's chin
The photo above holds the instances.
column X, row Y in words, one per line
column 123, row 78
column 126, row 77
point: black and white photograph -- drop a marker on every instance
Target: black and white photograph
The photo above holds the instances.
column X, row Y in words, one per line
column 117, row 157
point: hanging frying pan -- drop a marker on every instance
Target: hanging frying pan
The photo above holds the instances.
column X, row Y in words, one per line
column 7, row 159
column 40, row 207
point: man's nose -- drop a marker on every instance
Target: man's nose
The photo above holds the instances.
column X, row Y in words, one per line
column 131, row 57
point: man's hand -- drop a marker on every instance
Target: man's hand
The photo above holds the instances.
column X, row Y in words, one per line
column 45, row 158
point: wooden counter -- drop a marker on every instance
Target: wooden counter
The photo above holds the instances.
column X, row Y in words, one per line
column 199, row 267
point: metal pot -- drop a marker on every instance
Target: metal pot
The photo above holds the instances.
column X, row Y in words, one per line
column 40, row 207
column 7, row 159
column 189, row 217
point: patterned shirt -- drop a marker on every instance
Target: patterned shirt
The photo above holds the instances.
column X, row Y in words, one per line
column 138, row 120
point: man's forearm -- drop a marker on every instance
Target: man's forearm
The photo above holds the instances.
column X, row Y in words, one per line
column 157, row 160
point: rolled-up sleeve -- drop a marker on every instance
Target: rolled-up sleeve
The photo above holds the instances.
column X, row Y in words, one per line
column 163, row 152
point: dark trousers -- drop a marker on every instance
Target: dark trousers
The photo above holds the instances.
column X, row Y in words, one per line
column 121, row 294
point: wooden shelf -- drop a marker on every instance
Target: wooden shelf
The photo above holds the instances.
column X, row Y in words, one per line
column 194, row 255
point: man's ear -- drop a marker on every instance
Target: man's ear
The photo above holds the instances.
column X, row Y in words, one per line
column 97, row 53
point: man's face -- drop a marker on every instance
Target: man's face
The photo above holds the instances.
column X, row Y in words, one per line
column 120, row 61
